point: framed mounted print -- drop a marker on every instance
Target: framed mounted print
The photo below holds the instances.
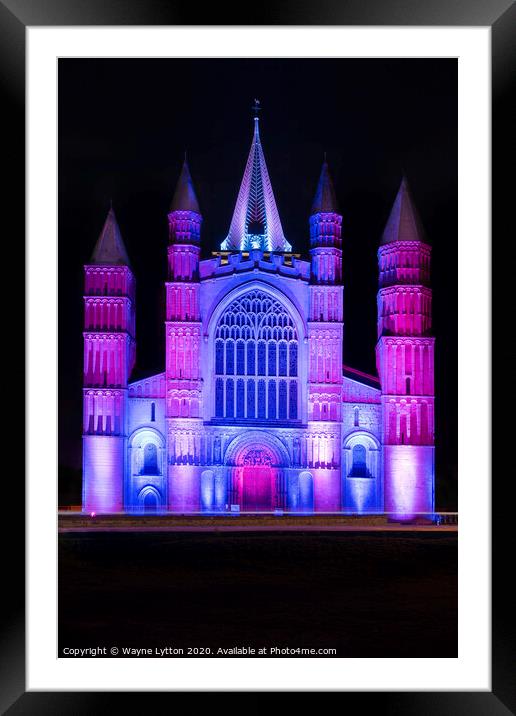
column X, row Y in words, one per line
column 258, row 355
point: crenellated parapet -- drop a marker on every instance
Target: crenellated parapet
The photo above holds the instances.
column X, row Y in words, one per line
column 225, row 263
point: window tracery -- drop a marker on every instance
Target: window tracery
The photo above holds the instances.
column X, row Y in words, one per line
column 256, row 337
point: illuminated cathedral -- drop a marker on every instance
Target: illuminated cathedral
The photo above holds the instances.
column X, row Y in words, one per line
column 254, row 410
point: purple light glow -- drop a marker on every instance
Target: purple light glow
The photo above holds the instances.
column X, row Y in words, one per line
column 253, row 407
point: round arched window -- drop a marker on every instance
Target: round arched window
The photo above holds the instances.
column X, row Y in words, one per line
column 150, row 459
column 359, row 467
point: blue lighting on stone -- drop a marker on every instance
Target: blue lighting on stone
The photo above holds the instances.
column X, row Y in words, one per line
column 254, row 410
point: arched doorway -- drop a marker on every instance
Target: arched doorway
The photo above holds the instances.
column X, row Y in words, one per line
column 150, row 502
column 257, row 481
column 256, row 478
column 149, row 499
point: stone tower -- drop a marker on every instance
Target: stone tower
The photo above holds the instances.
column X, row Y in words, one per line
column 325, row 335
column 405, row 361
column 109, row 356
column 183, row 346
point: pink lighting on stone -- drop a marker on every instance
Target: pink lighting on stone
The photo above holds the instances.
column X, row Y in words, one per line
column 409, row 490
column 109, row 356
column 254, row 409
column 405, row 360
column 103, row 464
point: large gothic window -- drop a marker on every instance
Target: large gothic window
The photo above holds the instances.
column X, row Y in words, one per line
column 256, row 337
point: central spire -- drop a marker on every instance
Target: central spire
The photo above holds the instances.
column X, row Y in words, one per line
column 256, row 223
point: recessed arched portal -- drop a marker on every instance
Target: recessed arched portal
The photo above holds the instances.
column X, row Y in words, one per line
column 150, row 502
column 149, row 499
column 257, row 481
column 257, row 459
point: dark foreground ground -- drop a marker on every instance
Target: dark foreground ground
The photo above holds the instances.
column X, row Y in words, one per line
column 365, row 594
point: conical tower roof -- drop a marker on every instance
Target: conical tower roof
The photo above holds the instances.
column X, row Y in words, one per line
column 185, row 198
column 255, row 207
column 110, row 248
column 325, row 201
column 404, row 223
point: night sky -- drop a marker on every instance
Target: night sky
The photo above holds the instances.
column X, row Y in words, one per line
column 124, row 126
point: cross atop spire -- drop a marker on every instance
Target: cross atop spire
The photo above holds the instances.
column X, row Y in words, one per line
column 404, row 223
column 110, row 248
column 256, row 222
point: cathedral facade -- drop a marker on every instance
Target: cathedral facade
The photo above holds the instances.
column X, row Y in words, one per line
column 254, row 410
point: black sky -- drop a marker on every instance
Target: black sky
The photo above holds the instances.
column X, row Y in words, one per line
column 124, row 126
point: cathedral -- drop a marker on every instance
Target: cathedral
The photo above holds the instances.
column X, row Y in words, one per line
column 254, row 411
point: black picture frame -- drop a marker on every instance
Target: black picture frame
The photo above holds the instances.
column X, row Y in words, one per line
column 500, row 15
